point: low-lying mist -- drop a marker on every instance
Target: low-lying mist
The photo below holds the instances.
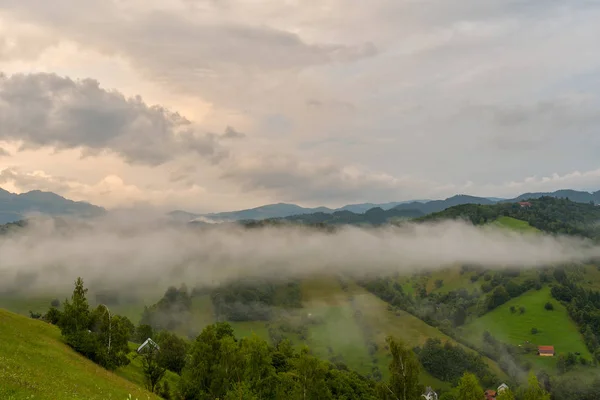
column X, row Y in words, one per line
column 136, row 254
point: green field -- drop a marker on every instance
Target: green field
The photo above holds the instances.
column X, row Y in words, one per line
column 555, row 327
column 35, row 363
column 515, row 225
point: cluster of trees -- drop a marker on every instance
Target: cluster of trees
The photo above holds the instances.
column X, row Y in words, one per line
column 374, row 216
column 95, row 333
column 254, row 301
column 448, row 362
column 171, row 311
column 583, row 307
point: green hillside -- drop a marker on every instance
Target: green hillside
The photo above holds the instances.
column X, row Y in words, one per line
column 35, row 363
column 555, row 328
column 514, row 224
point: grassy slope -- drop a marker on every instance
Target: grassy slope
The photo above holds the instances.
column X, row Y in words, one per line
column 515, row 225
column 35, row 363
column 555, row 327
column 343, row 334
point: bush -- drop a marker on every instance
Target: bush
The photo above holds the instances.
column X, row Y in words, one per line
column 55, row 303
column 513, row 309
column 534, row 331
column 522, row 310
column 549, row 306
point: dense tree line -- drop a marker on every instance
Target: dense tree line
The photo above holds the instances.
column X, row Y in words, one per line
column 448, row 362
column 583, row 307
column 548, row 214
column 254, row 301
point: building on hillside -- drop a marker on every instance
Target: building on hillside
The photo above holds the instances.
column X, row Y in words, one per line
column 148, row 342
column 546, row 351
column 490, row 394
column 525, row 204
column 502, row 387
column 430, row 394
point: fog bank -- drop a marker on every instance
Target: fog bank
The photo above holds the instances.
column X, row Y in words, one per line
column 144, row 253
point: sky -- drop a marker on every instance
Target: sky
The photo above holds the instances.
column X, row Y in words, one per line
column 214, row 105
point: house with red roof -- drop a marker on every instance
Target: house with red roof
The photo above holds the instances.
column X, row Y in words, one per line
column 546, row 351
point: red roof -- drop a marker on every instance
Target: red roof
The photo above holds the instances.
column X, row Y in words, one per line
column 524, row 203
column 546, row 349
column 490, row 394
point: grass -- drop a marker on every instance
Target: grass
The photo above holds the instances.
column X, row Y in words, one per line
column 452, row 279
column 555, row 327
column 22, row 305
column 35, row 363
column 341, row 333
column 515, row 225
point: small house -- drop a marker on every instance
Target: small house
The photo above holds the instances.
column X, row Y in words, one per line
column 502, row 388
column 546, row 351
column 524, row 204
column 148, row 342
column 490, row 394
column 430, row 394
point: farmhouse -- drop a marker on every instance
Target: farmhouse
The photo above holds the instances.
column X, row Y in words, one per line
column 502, row 387
column 148, row 342
column 546, row 351
column 430, row 394
column 525, row 204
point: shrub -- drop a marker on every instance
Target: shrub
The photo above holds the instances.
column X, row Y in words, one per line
column 513, row 309
column 522, row 310
column 534, row 331
column 55, row 303
column 549, row 306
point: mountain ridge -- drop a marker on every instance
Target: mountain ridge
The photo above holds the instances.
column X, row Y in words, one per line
column 15, row 207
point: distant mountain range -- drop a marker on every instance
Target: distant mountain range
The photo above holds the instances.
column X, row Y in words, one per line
column 15, row 207
column 280, row 210
column 413, row 207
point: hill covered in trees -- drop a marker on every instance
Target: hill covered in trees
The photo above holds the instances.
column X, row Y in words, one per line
column 548, row 214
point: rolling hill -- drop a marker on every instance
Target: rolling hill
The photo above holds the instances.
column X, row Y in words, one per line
column 35, row 363
column 15, row 207
column 554, row 327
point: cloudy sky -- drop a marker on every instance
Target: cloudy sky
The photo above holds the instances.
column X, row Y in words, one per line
column 210, row 105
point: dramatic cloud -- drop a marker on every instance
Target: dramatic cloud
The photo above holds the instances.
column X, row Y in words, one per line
column 50, row 255
column 48, row 110
column 389, row 100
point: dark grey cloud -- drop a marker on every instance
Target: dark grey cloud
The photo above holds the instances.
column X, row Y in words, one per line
column 48, row 110
column 291, row 179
